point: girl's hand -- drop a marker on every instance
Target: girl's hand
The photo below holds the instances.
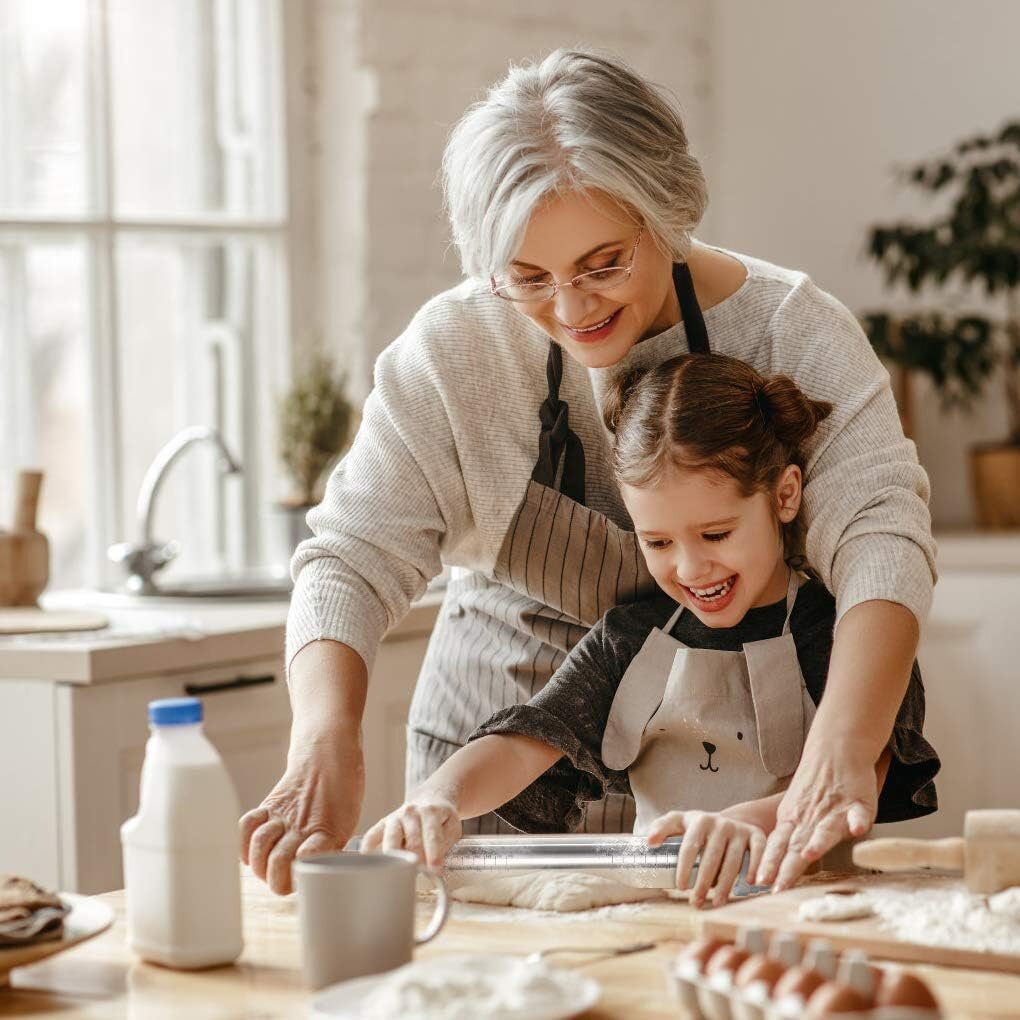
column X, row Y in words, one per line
column 721, row 842
column 427, row 826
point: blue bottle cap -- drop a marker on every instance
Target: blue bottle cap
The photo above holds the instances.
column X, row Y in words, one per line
column 175, row 711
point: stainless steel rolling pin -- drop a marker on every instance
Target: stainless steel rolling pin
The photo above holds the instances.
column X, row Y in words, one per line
column 627, row 857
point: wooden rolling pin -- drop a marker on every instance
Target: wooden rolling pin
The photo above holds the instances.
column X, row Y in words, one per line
column 988, row 854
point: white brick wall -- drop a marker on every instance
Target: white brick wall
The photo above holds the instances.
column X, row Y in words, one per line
column 391, row 77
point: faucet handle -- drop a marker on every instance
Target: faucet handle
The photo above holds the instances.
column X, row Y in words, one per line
column 141, row 561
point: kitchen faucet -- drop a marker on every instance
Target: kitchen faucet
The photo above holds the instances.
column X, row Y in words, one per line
column 144, row 558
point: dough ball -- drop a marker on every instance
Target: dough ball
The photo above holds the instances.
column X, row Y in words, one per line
column 560, row 891
column 836, row 907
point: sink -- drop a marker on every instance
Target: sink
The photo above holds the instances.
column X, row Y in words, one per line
column 255, row 585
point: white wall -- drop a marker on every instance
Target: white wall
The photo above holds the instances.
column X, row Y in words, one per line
column 813, row 104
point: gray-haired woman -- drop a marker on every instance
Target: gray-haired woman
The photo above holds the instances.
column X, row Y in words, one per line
column 572, row 198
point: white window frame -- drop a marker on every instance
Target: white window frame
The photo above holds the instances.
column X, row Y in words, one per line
column 100, row 231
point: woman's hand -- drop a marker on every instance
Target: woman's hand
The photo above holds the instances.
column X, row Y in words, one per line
column 313, row 809
column 833, row 795
column 721, row 842
column 426, row 825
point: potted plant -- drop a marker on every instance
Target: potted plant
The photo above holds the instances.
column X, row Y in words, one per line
column 316, row 421
column 973, row 240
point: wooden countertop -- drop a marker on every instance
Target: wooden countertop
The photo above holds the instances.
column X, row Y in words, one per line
column 101, row 979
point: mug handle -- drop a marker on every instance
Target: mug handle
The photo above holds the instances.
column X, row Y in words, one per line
column 442, row 908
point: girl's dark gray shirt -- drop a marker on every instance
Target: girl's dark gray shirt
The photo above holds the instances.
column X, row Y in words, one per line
column 571, row 711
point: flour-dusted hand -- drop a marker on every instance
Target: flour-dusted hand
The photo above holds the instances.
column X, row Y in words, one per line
column 314, row 808
column 427, row 826
column 833, row 796
column 721, row 843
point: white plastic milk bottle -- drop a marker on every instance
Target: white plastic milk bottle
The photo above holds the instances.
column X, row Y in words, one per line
column 181, row 866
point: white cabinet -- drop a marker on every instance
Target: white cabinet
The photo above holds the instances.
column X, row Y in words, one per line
column 73, row 726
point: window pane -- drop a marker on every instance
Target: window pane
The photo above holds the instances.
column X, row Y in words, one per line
column 197, row 340
column 42, row 106
column 44, row 402
column 193, row 83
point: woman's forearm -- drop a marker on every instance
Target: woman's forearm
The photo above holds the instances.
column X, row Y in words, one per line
column 328, row 683
column 488, row 772
column 872, row 654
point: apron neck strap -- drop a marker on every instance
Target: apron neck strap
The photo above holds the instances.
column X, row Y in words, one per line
column 796, row 580
column 694, row 321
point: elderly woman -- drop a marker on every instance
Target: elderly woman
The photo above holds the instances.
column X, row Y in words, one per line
column 573, row 198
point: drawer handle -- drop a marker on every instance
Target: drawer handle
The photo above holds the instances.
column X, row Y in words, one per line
column 194, row 690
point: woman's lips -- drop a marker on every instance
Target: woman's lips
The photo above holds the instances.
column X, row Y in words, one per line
column 589, row 336
column 713, row 605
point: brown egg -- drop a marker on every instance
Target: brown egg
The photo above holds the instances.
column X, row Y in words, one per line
column 725, row 961
column 899, row 988
column 799, row 982
column 832, row 998
column 759, row 969
column 691, row 960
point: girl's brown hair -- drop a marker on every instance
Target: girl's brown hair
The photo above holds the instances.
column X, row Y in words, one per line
column 710, row 412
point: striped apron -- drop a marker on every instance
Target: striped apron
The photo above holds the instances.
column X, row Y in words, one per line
column 499, row 639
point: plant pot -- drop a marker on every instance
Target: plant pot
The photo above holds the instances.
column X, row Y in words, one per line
column 995, row 479
column 293, row 526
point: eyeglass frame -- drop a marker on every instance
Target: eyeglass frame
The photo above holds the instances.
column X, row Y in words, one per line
column 572, row 282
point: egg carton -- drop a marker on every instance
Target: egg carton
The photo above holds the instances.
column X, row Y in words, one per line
column 759, row 978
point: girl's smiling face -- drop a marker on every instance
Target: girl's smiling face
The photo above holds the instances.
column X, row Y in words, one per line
column 708, row 546
column 575, row 233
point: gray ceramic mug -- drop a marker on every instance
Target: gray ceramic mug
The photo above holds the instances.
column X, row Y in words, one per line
column 356, row 913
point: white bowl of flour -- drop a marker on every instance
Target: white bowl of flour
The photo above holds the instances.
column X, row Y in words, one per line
column 462, row 987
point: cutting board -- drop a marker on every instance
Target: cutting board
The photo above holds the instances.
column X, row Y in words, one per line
column 779, row 913
column 31, row 620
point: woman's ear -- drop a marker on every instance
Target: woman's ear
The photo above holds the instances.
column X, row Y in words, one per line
column 788, row 491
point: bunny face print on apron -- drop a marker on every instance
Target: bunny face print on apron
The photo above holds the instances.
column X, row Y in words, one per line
column 499, row 639
column 703, row 729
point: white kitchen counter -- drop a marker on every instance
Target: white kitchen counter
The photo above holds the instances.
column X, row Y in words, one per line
column 165, row 635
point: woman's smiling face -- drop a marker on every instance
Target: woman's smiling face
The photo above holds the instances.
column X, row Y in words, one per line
column 577, row 233
column 710, row 547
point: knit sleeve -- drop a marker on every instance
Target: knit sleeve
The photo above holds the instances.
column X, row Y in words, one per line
column 865, row 499
column 391, row 504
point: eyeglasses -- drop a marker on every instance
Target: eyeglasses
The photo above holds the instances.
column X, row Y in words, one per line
column 596, row 280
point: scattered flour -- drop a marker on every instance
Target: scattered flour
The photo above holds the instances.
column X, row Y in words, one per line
column 468, row 987
column 836, row 907
column 486, row 914
column 950, row 916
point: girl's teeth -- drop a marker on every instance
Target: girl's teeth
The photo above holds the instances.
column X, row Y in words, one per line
column 715, row 592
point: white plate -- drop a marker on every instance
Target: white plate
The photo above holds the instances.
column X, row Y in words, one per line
column 88, row 917
column 343, row 1001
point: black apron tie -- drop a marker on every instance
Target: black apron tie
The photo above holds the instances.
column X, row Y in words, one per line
column 690, row 310
column 556, row 439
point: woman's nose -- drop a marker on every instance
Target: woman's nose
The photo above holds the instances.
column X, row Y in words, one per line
column 572, row 306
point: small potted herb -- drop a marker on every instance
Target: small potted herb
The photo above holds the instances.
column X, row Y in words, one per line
column 316, row 422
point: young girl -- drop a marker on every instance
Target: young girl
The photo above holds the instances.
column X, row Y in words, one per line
column 697, row 701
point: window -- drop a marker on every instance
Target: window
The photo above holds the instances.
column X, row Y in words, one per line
column 143, row 270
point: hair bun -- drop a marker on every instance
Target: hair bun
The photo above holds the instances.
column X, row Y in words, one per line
column 789, row 411
column 618, row 394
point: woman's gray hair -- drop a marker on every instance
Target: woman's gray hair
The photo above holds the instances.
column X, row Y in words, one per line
column 577, row 120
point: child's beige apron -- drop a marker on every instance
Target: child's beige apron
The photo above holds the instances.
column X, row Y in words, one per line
column 701, row 729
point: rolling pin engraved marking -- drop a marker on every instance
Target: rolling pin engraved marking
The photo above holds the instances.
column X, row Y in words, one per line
column 988, row 854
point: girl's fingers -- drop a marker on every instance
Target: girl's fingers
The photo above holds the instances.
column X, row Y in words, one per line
column 372, row 840
column 708, row 866
column 690, row 847
column 754, row 854
column 729, row 869
column 435, row 840
column 669, row 824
